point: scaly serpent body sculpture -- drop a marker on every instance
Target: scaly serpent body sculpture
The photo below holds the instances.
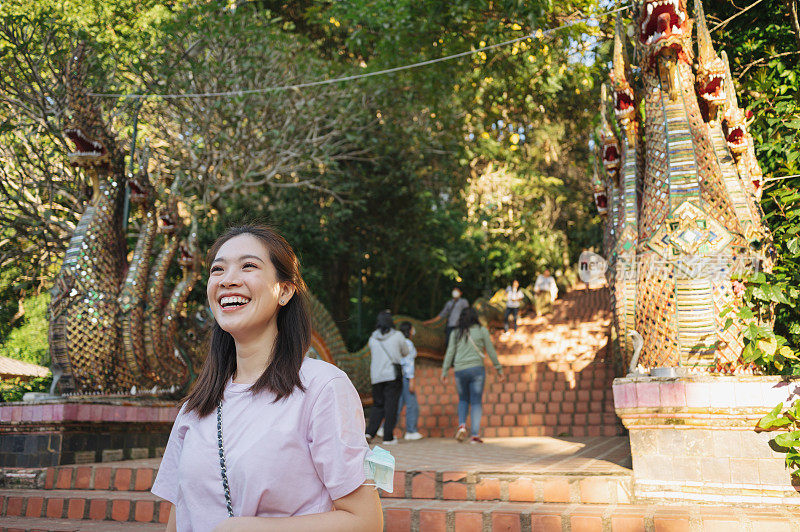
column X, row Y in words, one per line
column 699, row 218
column 131, row 300
column 623, row 253
column 98, row 312
column 84, row 337
column 327, row 343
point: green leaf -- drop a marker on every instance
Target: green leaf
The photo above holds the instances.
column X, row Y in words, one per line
column 768, row 421
column 749, row 354
column 788, row 439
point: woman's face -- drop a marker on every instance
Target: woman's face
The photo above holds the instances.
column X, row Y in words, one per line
column 243, row 289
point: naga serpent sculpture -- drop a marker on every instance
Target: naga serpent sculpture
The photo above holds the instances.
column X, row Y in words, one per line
column 682, row 200
column 624, row 216
column 111, row 331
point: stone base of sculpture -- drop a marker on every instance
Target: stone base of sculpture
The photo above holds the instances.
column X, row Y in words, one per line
column 694, row 439
column 72, row 431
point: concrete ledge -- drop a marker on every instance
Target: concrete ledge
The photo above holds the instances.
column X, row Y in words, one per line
column 694, row 438
column 70, row 431
column 95, row 411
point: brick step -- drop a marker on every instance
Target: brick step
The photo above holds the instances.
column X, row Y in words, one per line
column 441, row 422
column 414, row 515
column 96, row 505
column 533, row 401
column 506, row 432
column 527, row 358
column 102, row 477
column 585, row 488
column 560, row 427
column 520, row 383
column 523, row 394
column 597, row 390
column 518, row 406
column 430, row 386
column 30, row 524
column 539, row 371
column 520, row 403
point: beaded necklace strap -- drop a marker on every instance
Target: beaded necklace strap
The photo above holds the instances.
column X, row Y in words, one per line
column 222, row 467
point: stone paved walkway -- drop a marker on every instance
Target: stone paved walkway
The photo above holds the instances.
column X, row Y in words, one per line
column 545, row 455
column 537, row 455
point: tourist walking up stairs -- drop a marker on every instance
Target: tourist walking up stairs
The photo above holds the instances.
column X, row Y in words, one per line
column 465, row 350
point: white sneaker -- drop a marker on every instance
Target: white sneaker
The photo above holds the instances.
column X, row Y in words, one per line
column 413, row 436
column 380, row 432
column 390, row 442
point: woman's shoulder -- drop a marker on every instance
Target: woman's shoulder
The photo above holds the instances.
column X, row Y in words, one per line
column 322, row 379
column 315, row 373
column 185, row 418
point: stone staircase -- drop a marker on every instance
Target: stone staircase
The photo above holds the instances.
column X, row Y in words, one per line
column 552, row 461
column 106, row 496
column 507, row 484
column 558, row 381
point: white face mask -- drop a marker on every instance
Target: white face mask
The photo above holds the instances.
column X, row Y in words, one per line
column 456, row 294
column 379, row 466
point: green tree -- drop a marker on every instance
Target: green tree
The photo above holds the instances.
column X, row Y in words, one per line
column 763, row 46
column 384, row 201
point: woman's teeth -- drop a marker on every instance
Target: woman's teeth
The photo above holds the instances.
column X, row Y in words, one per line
column 229, row 301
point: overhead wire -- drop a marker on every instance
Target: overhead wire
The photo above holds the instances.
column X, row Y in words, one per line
column 538, row 34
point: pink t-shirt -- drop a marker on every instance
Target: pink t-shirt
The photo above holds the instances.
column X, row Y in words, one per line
column 293, row 457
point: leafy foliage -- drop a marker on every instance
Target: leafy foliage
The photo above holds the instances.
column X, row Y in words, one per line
column 788, row 420
column 764, row 51
column 376, row 182
column 28, row 340
column 764, row 48
column 13, row 389
column 244, row 143
column 515, row 116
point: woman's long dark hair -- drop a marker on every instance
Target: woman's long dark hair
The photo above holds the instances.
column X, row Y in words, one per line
column 468, row 318
column 384, row 321
column 405, row 328
column 282, row 375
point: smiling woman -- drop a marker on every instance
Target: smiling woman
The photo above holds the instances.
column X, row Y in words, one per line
column 286, row 448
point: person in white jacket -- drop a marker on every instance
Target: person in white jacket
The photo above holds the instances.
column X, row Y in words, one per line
column 387, row 348
column 545, row 292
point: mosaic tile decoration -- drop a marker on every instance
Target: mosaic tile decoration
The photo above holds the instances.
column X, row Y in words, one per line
column 698, row 215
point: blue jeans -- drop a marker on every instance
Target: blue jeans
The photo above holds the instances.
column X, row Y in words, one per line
column 513, row 312
column 412, row 407
column 469, row 384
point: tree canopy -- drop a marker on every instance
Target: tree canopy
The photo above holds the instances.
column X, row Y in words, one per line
column 393, row 187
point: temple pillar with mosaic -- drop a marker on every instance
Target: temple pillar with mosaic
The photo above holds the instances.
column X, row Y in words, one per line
column 681, row 171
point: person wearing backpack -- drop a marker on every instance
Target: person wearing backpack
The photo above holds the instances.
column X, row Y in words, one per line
column 465, row 352
column 387, row 348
